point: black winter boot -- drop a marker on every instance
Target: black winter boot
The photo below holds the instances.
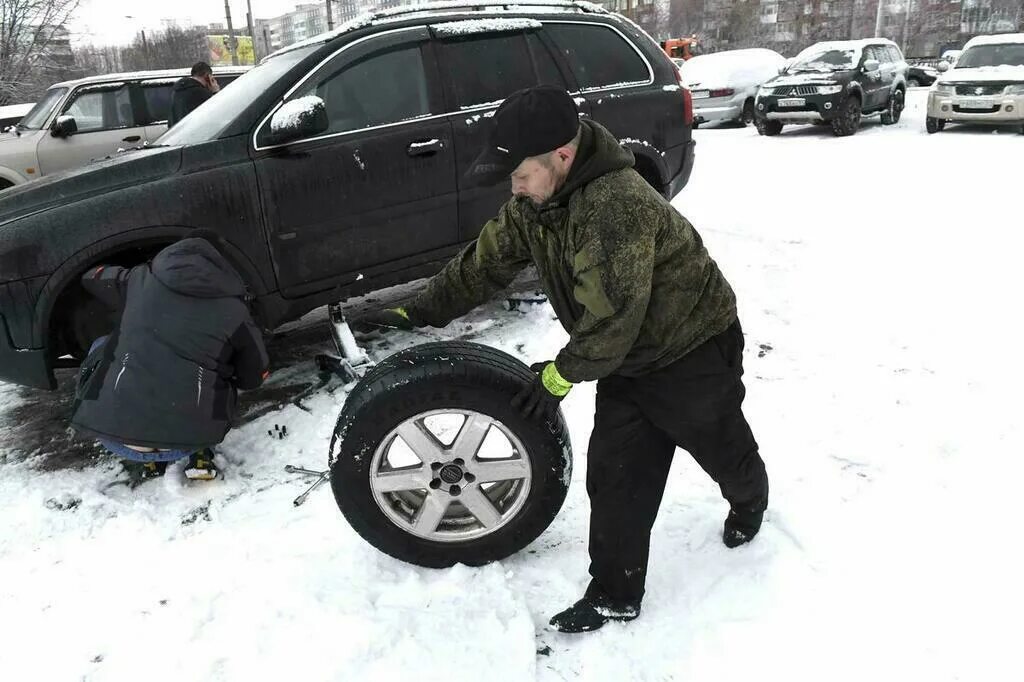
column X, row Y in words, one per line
column 140, row 472
column 593, row 611
column 201, row 466
column 741, row 527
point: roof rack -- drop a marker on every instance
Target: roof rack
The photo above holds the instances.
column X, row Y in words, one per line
column 579, row 5
column 448, row 6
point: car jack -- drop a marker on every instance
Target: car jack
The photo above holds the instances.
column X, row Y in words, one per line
column 349, row 365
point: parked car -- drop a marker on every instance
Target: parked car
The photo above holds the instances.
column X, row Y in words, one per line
column 986, row 86
column 948, row 60
column 836, row 84
column 318, row 208
column 724, row 84
column 77, row 121
column 12, row 113
column 919, row 75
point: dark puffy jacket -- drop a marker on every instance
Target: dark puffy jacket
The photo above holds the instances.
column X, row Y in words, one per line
column 168, row 375
column 627, row 275
column 188, row 93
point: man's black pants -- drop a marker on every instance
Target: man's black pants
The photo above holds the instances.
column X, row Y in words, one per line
column 695, row 404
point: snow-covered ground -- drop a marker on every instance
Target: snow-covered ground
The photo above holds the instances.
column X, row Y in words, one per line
column 878, row 278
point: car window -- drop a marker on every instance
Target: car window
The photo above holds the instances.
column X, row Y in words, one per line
column 894, row 54
column 598, row 56
column 36, row 118
column 101, row 107
column 482, row 69
column 158, row 101
column 383, row 87
column 548, row 72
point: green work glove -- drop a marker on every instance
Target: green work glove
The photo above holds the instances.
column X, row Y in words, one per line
column 538, row 400
column 390, row 318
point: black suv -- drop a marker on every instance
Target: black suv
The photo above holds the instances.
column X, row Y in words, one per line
column 367, row 193
column 835, row 84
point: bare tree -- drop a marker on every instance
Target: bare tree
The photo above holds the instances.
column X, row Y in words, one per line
column 27, row 32
column 172, row 48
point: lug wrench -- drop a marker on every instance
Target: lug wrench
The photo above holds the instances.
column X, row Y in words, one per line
column 323, row 477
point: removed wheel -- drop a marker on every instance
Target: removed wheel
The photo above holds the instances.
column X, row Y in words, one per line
column 432, row 465
column 894, row 110
column 933, row 125
column 913, row 83
column 766, row 127
column 848, row 120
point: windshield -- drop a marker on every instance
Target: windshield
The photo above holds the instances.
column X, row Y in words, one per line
column 1009, row 54
column 36, row 118
column 217, row 113
column 826, row 60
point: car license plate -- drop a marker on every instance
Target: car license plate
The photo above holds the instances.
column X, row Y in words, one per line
column 975, row 104
column 792, row 102
column 701, row 94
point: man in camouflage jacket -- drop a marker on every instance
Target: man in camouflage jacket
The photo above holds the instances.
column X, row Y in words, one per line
column 651, row 318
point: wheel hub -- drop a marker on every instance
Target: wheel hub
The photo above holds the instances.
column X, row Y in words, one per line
column 451, row 474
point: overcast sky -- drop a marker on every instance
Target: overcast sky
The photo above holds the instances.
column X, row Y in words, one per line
column 104, row 22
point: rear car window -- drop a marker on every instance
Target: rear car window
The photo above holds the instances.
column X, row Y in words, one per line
column 486, row 69
column 598, row 56
column 158, row 101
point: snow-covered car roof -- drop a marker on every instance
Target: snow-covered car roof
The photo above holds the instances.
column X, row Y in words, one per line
column 847, row 45
column 442, row 9
column 145, row 75
column 725, row 67
column 12, row 110
column 1001, row 39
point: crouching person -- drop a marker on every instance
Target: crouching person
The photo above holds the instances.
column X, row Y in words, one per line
column 164, row 384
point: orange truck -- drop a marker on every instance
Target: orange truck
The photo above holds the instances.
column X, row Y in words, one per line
column 680, row 48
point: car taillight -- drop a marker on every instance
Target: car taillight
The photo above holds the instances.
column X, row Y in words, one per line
column 687, row 99
column 724, row 92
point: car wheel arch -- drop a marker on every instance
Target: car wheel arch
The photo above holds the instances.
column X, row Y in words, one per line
column 649, row 164
column 132, row 247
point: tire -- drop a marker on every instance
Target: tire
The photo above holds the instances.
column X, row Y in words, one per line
column 933, row 125
column 387, row 424
column 894, row 109
column 85, row 319
column 748, row 115
column 848, row 120
column 767, row 128
column 913, row 83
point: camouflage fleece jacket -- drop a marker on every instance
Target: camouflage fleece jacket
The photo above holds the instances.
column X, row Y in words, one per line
column 627, row 275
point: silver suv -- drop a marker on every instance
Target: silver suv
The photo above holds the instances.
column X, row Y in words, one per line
column 985, row 86
column 77, row 121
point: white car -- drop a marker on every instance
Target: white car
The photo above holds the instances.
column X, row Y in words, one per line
column 91, row 118
column 12, row 113
column 724, row 84
column 985, row 86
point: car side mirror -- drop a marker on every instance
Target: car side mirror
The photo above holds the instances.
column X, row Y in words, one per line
column 298, row 119
column 872, row 65
column 942, row 67
column 64, row 126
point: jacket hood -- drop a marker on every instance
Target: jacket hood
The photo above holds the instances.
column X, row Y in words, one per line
column 194, row 267
column 187, row 83
column 599, row 153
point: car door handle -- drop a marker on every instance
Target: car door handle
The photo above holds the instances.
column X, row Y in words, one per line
column 132, row 138
column 425, row 147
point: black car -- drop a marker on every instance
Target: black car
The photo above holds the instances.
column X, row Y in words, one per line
column 318, row 208
column 835, row 84
column 921, row 75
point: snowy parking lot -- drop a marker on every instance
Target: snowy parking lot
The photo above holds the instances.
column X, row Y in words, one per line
column 878, row 279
